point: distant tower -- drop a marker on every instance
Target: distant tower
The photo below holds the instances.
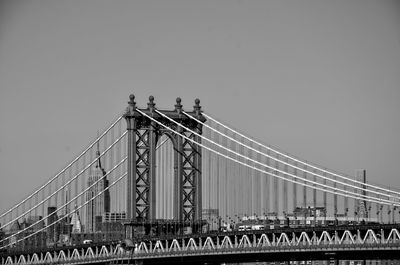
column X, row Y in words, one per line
column 361, row 205
column 76, row 221
column 95, row 208
column 52, row 234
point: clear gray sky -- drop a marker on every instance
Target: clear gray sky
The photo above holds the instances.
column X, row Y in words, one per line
column 319, row 79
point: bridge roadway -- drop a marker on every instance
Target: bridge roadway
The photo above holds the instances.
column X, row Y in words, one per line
column 370, row 242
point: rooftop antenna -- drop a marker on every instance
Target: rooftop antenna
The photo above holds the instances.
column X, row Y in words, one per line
column 98, row 165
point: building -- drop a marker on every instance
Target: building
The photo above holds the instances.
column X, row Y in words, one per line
column 33, row 223
column 211, row 216
column 63, row 228
column 96, row 205
column 2, row 235
column 76, row 222
column 309, row 212
column 361, row 210
column 110, row 228
column 51, row 224
column 114, row 217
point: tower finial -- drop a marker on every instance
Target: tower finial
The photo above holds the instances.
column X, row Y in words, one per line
column 197, row 107
column 131, row 105
column 178, row 106
column 151, row 103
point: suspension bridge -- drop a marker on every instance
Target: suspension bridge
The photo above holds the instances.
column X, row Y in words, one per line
column 179, row 186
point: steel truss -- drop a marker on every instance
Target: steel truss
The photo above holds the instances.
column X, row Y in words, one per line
column 253, row 242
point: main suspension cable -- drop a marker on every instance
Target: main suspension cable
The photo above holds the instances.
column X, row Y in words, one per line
column 376, row 200
column 77, row 196
column 63, row 170
column 57, row 221
column 288, row 164
column 272, row 168
column 297, row 160
column 65, row 184
column 66, row 203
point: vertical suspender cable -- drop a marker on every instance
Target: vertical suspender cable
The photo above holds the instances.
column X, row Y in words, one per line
column 346, row 203
column 56, row 195
column 37, row 202
column 314, row 192
column 171, row 172
column 242, row 183
column 250, row 176
column 228, row 186
column 119, row 187
column 161, row 157
column 335, row 206
column 294, row 188
column 268, row 186
column 113, row 195
column 276, row 189
column 248, row 179
column 124, row 148
column 257, row 188
column 261, row 188
column 285, row 191
column 305, row 189
column 75, row 191
column 70, row 191
column 43, row 191
column 209, row 173
column 225, row 171
column 168, row 178
column 160, row 176
column 64, row 177
column 246, row 183
column 49, row 193
column 236, row 184
column 324, row 197
column 216, row 138
column 88, row 196
column 82, row 184
column 232, row 185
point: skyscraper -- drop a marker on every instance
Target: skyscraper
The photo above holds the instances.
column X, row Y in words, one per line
column 96, row 205
column 361, row 205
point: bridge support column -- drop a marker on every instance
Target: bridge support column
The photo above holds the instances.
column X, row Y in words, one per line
column 131, row 182
column 178, row 208
column 152, row 167
column 197, row 163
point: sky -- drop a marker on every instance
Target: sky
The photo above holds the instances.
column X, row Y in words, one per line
column 318, row 79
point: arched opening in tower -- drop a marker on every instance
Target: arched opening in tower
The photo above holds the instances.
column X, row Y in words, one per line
column 165, row 184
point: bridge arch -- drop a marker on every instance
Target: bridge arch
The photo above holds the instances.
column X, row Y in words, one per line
column 166, row 175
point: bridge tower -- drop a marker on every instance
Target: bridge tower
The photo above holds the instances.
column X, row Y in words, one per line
column 143, row 135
